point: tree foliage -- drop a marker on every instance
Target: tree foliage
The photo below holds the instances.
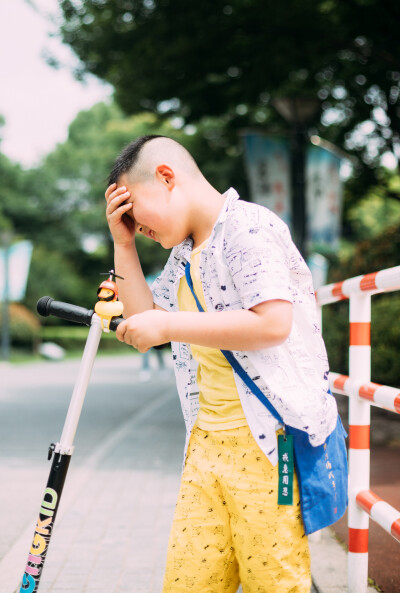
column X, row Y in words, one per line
column 216, row 58
column 14, row 213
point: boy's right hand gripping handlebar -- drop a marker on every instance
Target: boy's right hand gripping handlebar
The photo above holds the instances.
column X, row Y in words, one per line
column 47, row 306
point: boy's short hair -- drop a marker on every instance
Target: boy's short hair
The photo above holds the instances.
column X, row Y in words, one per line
column 141, row 165
column 127, row 159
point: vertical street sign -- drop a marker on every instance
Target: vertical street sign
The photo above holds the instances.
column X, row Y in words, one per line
column 14, row 268
column 18, row 260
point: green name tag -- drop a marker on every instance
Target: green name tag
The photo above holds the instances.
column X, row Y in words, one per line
column 285, row 467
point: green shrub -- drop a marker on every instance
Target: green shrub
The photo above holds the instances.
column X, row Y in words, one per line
column 335, row 330
column 24, row 326
column 368, row 256
column 385, row 337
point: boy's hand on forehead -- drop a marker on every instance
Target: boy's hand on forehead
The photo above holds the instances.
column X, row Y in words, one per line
column 119, row 215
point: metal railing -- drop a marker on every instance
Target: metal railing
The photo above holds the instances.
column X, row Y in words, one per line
column 363, row 394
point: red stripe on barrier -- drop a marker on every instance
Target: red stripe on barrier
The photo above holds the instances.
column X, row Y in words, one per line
column 368, row 282
column 359, row 436
column 397, row 403
column 360, row 333
column 340, row 381
column 366, row 500
column 395, row 529
column 358, row 540
column 337, row 290
column 367, row 391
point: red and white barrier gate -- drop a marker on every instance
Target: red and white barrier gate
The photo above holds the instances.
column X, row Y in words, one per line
column 362, row 502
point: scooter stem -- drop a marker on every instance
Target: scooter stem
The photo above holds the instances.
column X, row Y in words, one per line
column 65, row 446
column 62, row 456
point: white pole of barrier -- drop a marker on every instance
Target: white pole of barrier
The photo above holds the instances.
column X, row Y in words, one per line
column 359, row 431
column 317, row 535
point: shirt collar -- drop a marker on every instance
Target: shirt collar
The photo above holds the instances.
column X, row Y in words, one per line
column 231, row 196
column 184, row 249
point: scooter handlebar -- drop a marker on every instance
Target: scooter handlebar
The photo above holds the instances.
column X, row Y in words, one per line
column 47, row 306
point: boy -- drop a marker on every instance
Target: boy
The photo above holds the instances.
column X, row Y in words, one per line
column 259, row 302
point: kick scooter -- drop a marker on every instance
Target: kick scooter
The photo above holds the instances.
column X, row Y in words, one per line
column 104, row 317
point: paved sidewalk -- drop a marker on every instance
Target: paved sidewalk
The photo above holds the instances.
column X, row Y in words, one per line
column 112, row 537
column 112, row 529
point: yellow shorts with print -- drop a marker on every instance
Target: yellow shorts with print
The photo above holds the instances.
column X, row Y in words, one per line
column 228, row 528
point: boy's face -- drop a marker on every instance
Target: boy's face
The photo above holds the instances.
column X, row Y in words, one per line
column 155, row 211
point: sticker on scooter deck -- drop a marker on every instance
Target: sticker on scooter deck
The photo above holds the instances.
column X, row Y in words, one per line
column 44, row 524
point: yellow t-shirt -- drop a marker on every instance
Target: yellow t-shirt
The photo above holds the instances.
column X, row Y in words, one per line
column 220, row 406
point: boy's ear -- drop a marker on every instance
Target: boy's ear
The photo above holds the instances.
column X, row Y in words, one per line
column 166, row 175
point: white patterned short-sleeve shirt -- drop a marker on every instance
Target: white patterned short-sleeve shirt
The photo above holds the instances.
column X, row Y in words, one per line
column 250, row 258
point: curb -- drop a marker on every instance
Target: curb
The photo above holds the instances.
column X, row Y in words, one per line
column 329, row 563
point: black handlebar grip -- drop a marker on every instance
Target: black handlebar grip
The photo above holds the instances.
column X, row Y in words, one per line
column 42, row 306
column 47, row 306
column 114, row 323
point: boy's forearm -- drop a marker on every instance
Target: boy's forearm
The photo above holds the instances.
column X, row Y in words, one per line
column 229, row 330
column 134, row 291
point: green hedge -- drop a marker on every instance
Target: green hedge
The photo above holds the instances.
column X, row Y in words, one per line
column 73, row 338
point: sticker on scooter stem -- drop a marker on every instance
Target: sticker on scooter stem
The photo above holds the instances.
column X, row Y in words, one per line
column 40, row 542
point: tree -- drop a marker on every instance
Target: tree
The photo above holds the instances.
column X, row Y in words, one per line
column 214, row 58
column 13, row 211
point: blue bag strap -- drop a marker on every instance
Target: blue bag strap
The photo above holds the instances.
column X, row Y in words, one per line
column 233, row 362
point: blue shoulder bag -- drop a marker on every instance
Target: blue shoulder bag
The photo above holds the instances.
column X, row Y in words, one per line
column 321, row 471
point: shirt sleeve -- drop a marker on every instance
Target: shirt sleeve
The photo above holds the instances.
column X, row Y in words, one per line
column 162, row 287
column 258, row 257
column 161, row 291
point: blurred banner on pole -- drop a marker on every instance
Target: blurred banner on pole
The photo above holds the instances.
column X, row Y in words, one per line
column 19, row 259
column 323, row 197
column 268, row 167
